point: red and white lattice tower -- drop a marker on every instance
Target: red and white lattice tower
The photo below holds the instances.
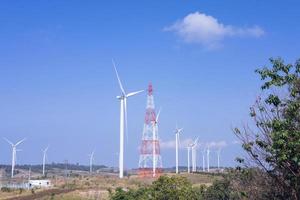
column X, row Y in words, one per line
column 150, row 163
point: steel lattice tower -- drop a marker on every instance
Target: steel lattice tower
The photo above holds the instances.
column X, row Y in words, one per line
column 150, row 163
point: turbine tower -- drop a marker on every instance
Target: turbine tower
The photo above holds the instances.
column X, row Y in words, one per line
column 123, row 117
column 14, row 154
column 44, row 158
column 91, row 161
column 150, row 163
column 177, row 132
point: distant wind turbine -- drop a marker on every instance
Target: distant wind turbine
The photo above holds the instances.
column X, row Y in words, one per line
column 218, row 154
column 194, row 155
column 177, row 132
column 188, row 156
column 203, row 159
column 207, row 154
column 154, row 143
column 14, row 154
column 44, row 158
column 91, row 161
column 123, row 115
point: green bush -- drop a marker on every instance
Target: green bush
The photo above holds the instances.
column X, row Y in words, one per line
column 175, row 188
column 5, row 189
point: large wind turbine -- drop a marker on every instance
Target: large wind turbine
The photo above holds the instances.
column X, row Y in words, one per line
column 177, row 132
column 123, row 115
column 194, row 155
column 14, row 154
column 91, row 161
column 44, row 158
column 154, row 143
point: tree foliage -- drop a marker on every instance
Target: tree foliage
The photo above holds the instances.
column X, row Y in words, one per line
column 164, row 188
column 274, row 145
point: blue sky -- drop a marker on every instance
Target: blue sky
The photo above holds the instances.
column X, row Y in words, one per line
column 58, row 87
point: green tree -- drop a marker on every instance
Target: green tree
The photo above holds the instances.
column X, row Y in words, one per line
column 176, row 188
column 164, row 188
column 274, row 145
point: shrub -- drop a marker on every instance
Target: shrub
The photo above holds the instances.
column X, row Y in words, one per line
column 5, row 189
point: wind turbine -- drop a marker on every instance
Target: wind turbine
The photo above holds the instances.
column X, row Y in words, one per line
column 203, row 159
column 123, row 115
column 177, row 132
column 194, row 155
column 91, row 161
column 14, row 154
column 207, row 154
column 154, row 143
column 44, row 158
column 218, row 154
column 188, row 158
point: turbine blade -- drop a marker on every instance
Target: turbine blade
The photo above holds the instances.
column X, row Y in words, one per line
column 45, row 150
column 196, row 141
column 120, row 84
column 9, row 142
column 46, row 159
column 20, row 142
column 179, row 140
column 134, row 93
column 157, row 116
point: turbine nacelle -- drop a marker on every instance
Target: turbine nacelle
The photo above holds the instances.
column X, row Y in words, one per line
column 190, row 145
column 196, row 141
column 178, row 130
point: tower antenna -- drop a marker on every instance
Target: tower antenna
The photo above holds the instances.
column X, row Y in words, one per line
column 150, row 162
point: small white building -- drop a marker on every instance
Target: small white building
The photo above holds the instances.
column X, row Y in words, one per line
column 39, row 183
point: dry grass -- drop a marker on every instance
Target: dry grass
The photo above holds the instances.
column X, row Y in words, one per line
column 97, row 186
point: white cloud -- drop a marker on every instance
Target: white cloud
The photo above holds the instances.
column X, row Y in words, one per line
column 208, row 31
column 184, row 143
column 236, row 142
column 217, row 145
column 171, row 144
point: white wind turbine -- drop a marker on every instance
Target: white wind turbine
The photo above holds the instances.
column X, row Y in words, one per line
column 177, row 132
column 123, row 115
column 203, row 159
column 154, row 143
column 194, row 155
column 44, row 158
column 91, row 161
column 207, row 154
column 188, row 155
column 14, row 154
column 218, row 154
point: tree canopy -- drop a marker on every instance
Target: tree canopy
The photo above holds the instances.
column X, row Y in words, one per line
column 274, row 145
